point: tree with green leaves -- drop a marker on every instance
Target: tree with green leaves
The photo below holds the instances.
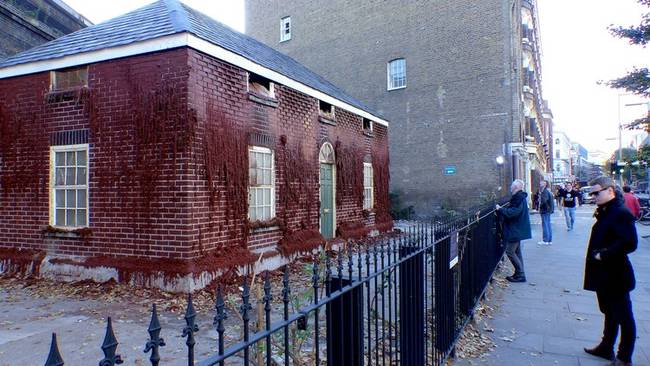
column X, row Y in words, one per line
column 638, row 80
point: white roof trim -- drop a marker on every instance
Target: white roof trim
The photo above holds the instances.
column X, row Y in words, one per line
column 132, row 49
column 246, row 64
column 174, row 41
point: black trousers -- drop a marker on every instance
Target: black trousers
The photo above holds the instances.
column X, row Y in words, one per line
column 617, row 308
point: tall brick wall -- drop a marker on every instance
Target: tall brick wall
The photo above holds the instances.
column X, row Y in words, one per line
column 28, row 23
column 168, row 166
column 461, row 103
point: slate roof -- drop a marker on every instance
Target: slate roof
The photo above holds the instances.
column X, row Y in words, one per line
column 168, row 17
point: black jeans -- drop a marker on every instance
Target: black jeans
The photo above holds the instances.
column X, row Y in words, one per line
column 513, row 250
column 617, row 308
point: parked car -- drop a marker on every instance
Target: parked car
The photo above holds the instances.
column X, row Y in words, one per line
column 640, row 187
column 586, row 198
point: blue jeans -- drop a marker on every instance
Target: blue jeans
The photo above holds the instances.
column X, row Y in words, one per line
column 570, row 216
column 547, row 234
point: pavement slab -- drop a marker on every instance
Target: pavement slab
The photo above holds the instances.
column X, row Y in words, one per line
column 549, row 319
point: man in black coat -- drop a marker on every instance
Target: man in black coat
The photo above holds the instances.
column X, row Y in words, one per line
column 516, row 227
column 608, row 270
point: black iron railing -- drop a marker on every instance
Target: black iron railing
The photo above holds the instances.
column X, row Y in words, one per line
column 398, row 300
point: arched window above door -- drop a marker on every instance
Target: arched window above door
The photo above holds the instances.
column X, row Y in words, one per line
column 326, row 154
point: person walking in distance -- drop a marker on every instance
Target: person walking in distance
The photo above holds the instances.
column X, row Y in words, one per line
column 546, row 208
column 631, row 202
column 609, row 273
column 569, row 200
column 558, row 196
column 516, row 228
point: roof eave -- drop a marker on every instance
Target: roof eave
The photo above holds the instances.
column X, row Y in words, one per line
column 112, row 53
column 183, row 39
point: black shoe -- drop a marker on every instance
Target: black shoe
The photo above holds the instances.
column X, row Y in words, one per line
column 601, row 352
column 516, row 278
column 618, row 362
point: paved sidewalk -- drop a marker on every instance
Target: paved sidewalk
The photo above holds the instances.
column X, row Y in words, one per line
column 548, row 320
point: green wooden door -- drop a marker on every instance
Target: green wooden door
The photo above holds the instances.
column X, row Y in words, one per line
column 327, row 200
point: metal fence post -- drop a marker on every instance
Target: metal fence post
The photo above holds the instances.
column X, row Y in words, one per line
column 411, row 297
column 444, row 299
column 345, row 320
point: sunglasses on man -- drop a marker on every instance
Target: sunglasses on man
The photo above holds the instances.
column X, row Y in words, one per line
column 595, row 193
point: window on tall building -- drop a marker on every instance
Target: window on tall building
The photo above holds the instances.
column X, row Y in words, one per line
column 397, row 74
column 285, row 29
column 557, row 141
column 76, row 77
column 368, row 194
column 69, row 177
column 557, row 154
column 261, row 196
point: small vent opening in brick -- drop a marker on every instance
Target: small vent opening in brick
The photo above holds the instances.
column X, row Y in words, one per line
column 260, row 85
column 367, row 125
column 67, row 79
column 326, row 109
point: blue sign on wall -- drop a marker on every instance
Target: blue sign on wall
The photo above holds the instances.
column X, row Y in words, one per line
column 450, row 170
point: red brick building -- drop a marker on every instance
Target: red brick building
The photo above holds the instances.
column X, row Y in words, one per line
column 161, row 147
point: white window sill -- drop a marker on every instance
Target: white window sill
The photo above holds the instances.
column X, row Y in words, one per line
column 397, row 88
column 263, row 99
column 261, row 230
column 327, row 121
column 66, row 232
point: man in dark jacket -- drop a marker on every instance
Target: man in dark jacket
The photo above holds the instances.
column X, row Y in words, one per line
column 546, row 208
column 608, row 270
column 516, row 228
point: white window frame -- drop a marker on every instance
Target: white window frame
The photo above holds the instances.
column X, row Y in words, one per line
column 76, row 187
column 252, row 188
column 285, row 24
column 389, row 76
column 368, row 204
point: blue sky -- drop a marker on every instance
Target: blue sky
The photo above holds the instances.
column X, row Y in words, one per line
column 578, row 51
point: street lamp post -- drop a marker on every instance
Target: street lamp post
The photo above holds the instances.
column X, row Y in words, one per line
column 620, row 140
column 620, row 132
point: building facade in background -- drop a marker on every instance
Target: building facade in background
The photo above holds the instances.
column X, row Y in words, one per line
column 460, row 82
column 562, row 157
column 580, row 165
column 28, row 23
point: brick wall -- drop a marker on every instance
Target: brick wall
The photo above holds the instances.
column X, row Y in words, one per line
column 168, row 135
column 294, row 133
column 461, row 102
column 137, row 206
column 28, row 23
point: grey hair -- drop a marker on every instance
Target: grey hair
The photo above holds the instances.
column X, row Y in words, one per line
column 519, row 183
column 603, row 182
